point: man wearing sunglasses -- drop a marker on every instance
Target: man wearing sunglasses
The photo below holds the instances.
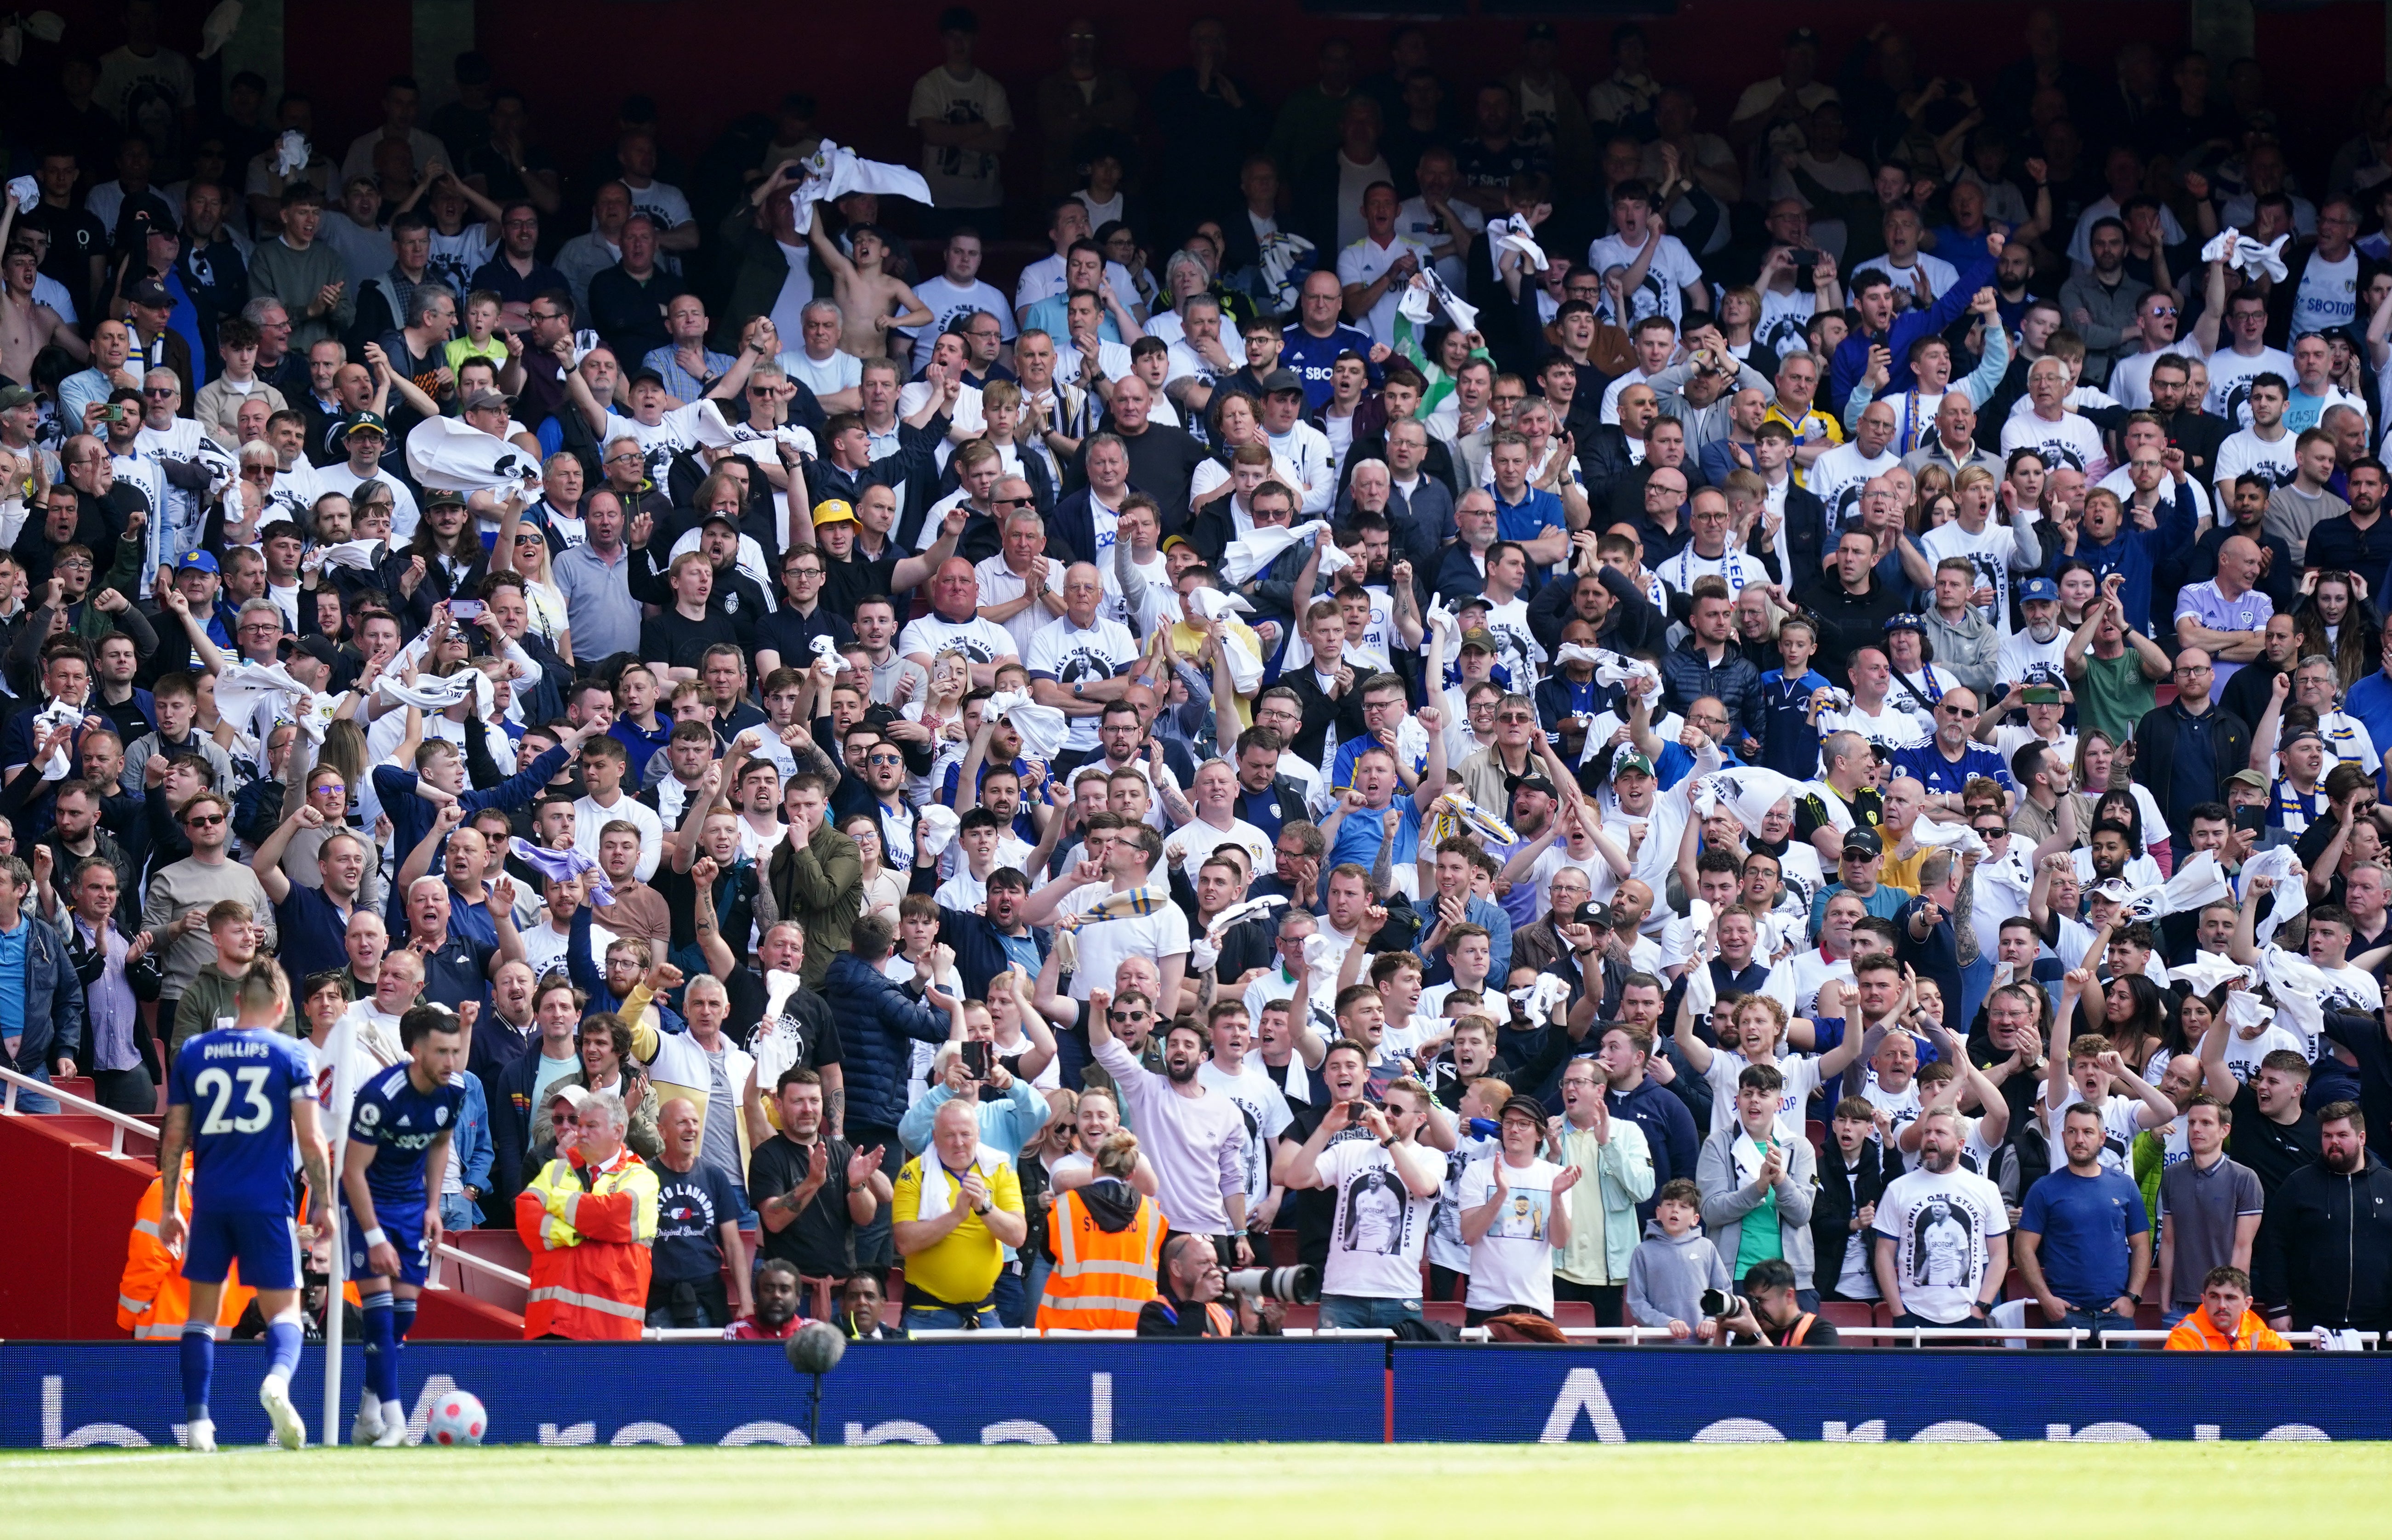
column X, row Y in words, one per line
column 182, row 892
column 1952, row 759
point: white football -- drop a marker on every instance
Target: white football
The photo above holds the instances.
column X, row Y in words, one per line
column 456, row 1418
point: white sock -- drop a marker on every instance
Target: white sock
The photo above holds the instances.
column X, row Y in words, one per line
column 369, row 1406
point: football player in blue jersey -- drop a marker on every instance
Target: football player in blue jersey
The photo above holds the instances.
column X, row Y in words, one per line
column 239, row 1099
column 390, row 1187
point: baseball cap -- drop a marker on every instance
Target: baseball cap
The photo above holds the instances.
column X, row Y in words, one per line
column 442, row 498
column 1630, row 764
column 1171, row 540
column 1281, row 380
column 2256, row 780
column 645, row 373
column 2298, row 735
column 13, row 396
column 151, row 293
column 483, row 400
column 2115, row 889
column 320, row 648
column 364, row 422
column 200, row 560
column 831, row 510
column 726, row 520
column 1905, row 623
column 1524, row 1106
column 1863, row 842
column 1481, row 639
column 1516, row 783
column 571, row 1094
column 2036, row 589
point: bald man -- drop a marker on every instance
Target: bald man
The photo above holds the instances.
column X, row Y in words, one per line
column 954, row 625
column 2226, row 617
column 1081, row 662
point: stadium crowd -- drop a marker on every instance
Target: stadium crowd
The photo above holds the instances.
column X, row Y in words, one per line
column 1574, row 707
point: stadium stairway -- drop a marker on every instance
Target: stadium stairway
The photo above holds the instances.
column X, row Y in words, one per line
column 67, row 1209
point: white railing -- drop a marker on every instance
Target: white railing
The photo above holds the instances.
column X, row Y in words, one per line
column 466, row 1259
column 2071, row 1337
column 120, row 1124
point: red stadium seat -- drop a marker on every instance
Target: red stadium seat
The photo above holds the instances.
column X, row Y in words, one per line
column 1841, row 1314
column 1816, row 1131
column 1307, row 1317
column 1282, row 1249
column 1573, row 1312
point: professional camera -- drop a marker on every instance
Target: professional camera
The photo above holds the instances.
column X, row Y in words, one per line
column 1297, row 1285
column 1718, row 1304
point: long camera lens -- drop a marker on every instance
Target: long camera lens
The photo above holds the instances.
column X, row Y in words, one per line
column 1297, row 1285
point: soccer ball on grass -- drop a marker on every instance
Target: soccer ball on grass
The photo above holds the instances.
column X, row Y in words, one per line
column 456, row 1418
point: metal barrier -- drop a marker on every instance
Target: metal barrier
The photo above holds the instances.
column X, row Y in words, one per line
column 467, row 1259
column 12, row 1080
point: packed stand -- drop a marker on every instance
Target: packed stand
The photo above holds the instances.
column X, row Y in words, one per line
column 1467, row 684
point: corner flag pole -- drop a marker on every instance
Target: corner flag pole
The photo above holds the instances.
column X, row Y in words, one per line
column 340, row 1046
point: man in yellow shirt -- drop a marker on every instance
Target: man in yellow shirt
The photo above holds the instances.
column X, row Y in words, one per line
column 957, row 1206
column 1814, row 431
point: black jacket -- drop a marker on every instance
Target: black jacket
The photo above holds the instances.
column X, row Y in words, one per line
column 1844, row 1190
column 2155, row 743
column 1847, row 620
column 2325, row 1249
column 879, row 1022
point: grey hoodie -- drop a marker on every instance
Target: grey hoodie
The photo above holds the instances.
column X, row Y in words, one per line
column 1666, row 1277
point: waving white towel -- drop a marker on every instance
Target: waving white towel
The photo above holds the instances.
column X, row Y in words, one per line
column 1537, row 1000
column 833, row 171
column 217, row 30
column 1748, row 792
column 935, row 828
column 1250, row 555
column 242, row 685
column 457, row 457
column 2290, row 893
column 1958, row 836
column 2246, row 256
column 1514, row 234
column 25, row 191
column 292, row 153
column 2207, row 970
column 1241, row 910
column 1215, row 603
column 363, row 555
column 1043, row 727
column 1612, row 669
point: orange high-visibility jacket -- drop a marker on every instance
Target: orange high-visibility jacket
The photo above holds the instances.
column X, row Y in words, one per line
column 589, row 1231
column 152, row 1300
column 1101, row 1277
column 2198, row 1333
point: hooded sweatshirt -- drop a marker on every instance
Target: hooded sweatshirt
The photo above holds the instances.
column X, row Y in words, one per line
column 1666, row 1277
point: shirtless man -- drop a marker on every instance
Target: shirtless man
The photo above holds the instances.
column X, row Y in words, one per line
column 26, row 326
column 868, row 295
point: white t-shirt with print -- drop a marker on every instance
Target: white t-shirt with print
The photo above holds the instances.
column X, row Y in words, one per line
column 1513, row 1263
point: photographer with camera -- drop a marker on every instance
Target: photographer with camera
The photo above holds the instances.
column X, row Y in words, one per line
column 1386, row 1186
column 1768, row 1311
column 1187, row 1301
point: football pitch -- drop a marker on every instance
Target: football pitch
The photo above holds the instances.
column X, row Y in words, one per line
column 1169, row 1490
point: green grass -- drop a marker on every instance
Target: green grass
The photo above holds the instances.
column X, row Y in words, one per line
column 1319, row 1492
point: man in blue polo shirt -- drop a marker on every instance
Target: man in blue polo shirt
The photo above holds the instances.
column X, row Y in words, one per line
column 1530, row 517
column 312, row 923
column 1318, row 337
column 455, row 968
column 1950, row 760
